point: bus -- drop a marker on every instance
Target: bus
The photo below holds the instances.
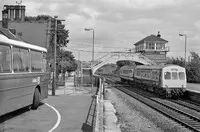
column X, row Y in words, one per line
column 23, row 75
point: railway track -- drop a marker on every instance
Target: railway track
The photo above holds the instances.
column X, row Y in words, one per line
column 188, row 104
column 180, row 111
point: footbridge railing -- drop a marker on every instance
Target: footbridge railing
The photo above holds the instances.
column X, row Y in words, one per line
column 113, row 57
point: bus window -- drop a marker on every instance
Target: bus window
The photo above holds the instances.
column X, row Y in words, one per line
column 36, row 61
column 44, row 62
column 20, row 60
column 167, row 75
column 181, row 76
column 174, row 76
column 5, row 59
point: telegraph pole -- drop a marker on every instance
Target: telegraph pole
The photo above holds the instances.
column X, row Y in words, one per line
column 55, row 30
column 54, row 60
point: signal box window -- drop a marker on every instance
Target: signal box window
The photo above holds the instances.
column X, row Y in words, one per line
column 167, row 75
column 20, row 60
column 5, row 59
column 181, row 76
column 36, row 61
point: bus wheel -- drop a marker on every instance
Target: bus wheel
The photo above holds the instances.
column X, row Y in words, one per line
column 36, row 99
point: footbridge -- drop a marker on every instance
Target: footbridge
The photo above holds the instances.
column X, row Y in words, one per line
column 113, row 57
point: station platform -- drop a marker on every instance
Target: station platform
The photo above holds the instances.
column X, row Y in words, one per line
column 77, row 106
column 194, row 87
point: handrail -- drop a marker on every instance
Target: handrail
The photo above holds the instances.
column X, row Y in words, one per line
column 99, row 107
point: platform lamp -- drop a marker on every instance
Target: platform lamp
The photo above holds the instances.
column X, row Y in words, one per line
column 185, row 46
column 91, row 29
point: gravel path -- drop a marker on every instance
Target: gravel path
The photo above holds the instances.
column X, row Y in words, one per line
column 133, row 116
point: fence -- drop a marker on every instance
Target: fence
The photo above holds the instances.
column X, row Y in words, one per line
column 84, row 80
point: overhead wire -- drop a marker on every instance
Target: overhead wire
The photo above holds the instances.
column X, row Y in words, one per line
column 97, row 45
column 88, row 51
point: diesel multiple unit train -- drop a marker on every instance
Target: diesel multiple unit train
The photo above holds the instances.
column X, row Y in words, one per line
column 165, row 80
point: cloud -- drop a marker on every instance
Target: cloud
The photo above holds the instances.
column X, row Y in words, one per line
column 91, row 12
column 32, row 8
column 139, row 4
column 197, row 24
column 53, row 6
column 121, row 23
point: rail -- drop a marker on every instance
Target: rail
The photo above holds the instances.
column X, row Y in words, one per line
column 99, row 106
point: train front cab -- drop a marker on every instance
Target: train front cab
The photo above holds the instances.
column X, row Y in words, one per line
column 174, row 80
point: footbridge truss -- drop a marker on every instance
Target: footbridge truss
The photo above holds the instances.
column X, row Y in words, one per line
column 113, row 57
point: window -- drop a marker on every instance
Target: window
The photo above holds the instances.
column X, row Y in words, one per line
column 167, row 75
column 174, row 76
column 150, row 45
column 5, row 59
column 20, row 60
column 138, row 73
column 36, row 61
column 44, row 62
column 87, row 71
column 160, row 46
column 181, row 76
column 155, row 74
column 127, row 71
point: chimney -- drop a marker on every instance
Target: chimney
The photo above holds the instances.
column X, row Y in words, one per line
column 12, row 12
column 5, row 18
column 23, row 8
column 17, row 8
column 158, row 35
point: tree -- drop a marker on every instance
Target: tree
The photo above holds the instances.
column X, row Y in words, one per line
column 193, row 69
column 177, row 61
column 66, row 60
column 123, row 63
column 67, row 63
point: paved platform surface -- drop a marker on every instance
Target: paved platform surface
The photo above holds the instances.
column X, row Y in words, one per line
column 193, row 87
column 76, row 106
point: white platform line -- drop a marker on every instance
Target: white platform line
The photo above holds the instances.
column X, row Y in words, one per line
column 58, row 120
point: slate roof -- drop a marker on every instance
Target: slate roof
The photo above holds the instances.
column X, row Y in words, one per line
column 151, row 38
column 10, row 35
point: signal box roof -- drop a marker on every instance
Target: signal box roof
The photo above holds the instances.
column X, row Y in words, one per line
column 151, row 38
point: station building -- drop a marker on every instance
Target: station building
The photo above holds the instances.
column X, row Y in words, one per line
column 34, row 32
column 154, row 47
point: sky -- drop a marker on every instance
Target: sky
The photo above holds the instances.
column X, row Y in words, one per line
column 118, row 24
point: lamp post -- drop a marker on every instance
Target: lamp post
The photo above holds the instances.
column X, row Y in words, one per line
column 91, row 29
column 185, row 46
